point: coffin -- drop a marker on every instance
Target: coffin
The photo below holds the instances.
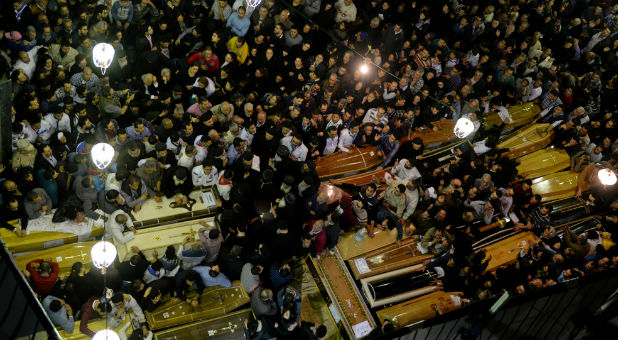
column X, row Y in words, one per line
column 567, row 209
column 529, row 139
column 398, row 285
column 95, row 325
column 387, row 259
column 433, row 157
column 334, row 193
column 506, row 251
column 207, row 203
column 556, row 186
column 348, row 246
column 432, row 138
column 341, row 163
column 226, row 327
column 362, row 178
column 543, row 162
column 158, row 238
column 521, row 114
column 355, row 316
column 39, row 240
column 215, row 301
column 420, row 308
column 65, row 256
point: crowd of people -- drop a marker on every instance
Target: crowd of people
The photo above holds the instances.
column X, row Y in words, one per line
column 217, row 93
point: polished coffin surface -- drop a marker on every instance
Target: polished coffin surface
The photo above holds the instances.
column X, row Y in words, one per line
column 420, row 308
column 357, row 319
column 556, row 186
column 214, row 301
column 387, row 259
column 529, row 139
column 158, row 238
column 65, row 256
column 348, row 246
column 226, row 327
column 444, row 134
column 506, row 251
column 521, row 114
column 397, row 285
column 154, row 213
column 543, row 162
column 340, row 163
column 39, row 240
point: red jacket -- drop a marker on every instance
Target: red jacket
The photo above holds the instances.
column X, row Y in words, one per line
column 88, row 313
column 43, row 284
column 319, row 239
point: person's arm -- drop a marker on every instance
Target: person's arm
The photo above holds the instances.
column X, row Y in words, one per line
column 244, row 27
column 229, row 22
column 83, row 323
column 136, row 309
column 115, row 10
column 121, row 236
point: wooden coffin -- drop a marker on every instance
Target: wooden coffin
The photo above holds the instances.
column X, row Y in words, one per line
column 567, row 209
column 65, row 256
column 355, row 316
column 95, row 325
column 421, row 308
column 432, row 138
column 506, row 251
column 39, row 240
column 226, row 327
column 387, row 259
column 543, row 162
column 432, row 157
column 215, row 301
column 409, row 291
column 207, row 203
column 348, row 246
column 529, row 139
column 556, row 186
column 521, row 114
column 158, row 238
column 341, row 163
column 362, row 178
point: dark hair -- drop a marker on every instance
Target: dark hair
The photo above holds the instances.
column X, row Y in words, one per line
column 55, row 305
column 320, row 332
column 192, row 275
column 118, row 297
column 157, row 265
column 255, row 270
column 170, row 252
column 213, row 234
column 105, row 307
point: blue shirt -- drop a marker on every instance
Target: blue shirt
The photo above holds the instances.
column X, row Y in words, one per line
column 209, row 281
column 59, row 318
column 239, row 26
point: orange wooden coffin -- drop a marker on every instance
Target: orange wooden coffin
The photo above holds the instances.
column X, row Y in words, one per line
column 421, row 308
column 527, row 140
column 520, row 115
column 543, row 162
column 556, row 186
column 341, row 163
column 434, row 138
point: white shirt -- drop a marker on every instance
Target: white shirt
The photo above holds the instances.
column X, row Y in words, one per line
column 299, row 152
column 115, row 230
column 27, row 133
column 346, row 139
column 331, row 145
column 64, row 124
column 404, row 174
column 372, row 115
column 29, row 67
column 224, row 187
column 202, row 179
column 185, row 160
column 504, row 114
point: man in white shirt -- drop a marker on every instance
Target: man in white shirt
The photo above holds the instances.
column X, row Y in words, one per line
column 535, row 90
column 404, row 171
column 114, row 228
column 205, row 175
column 501, row 110
column 332, row 140
column 347, row 136
column 376, row 116
column 224, row 184
column 298, row 150
column 27, row 61
column 22, row 131
column 346, row 11
column 60, row 121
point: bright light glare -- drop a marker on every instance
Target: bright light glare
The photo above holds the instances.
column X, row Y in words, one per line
column 364, row 68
